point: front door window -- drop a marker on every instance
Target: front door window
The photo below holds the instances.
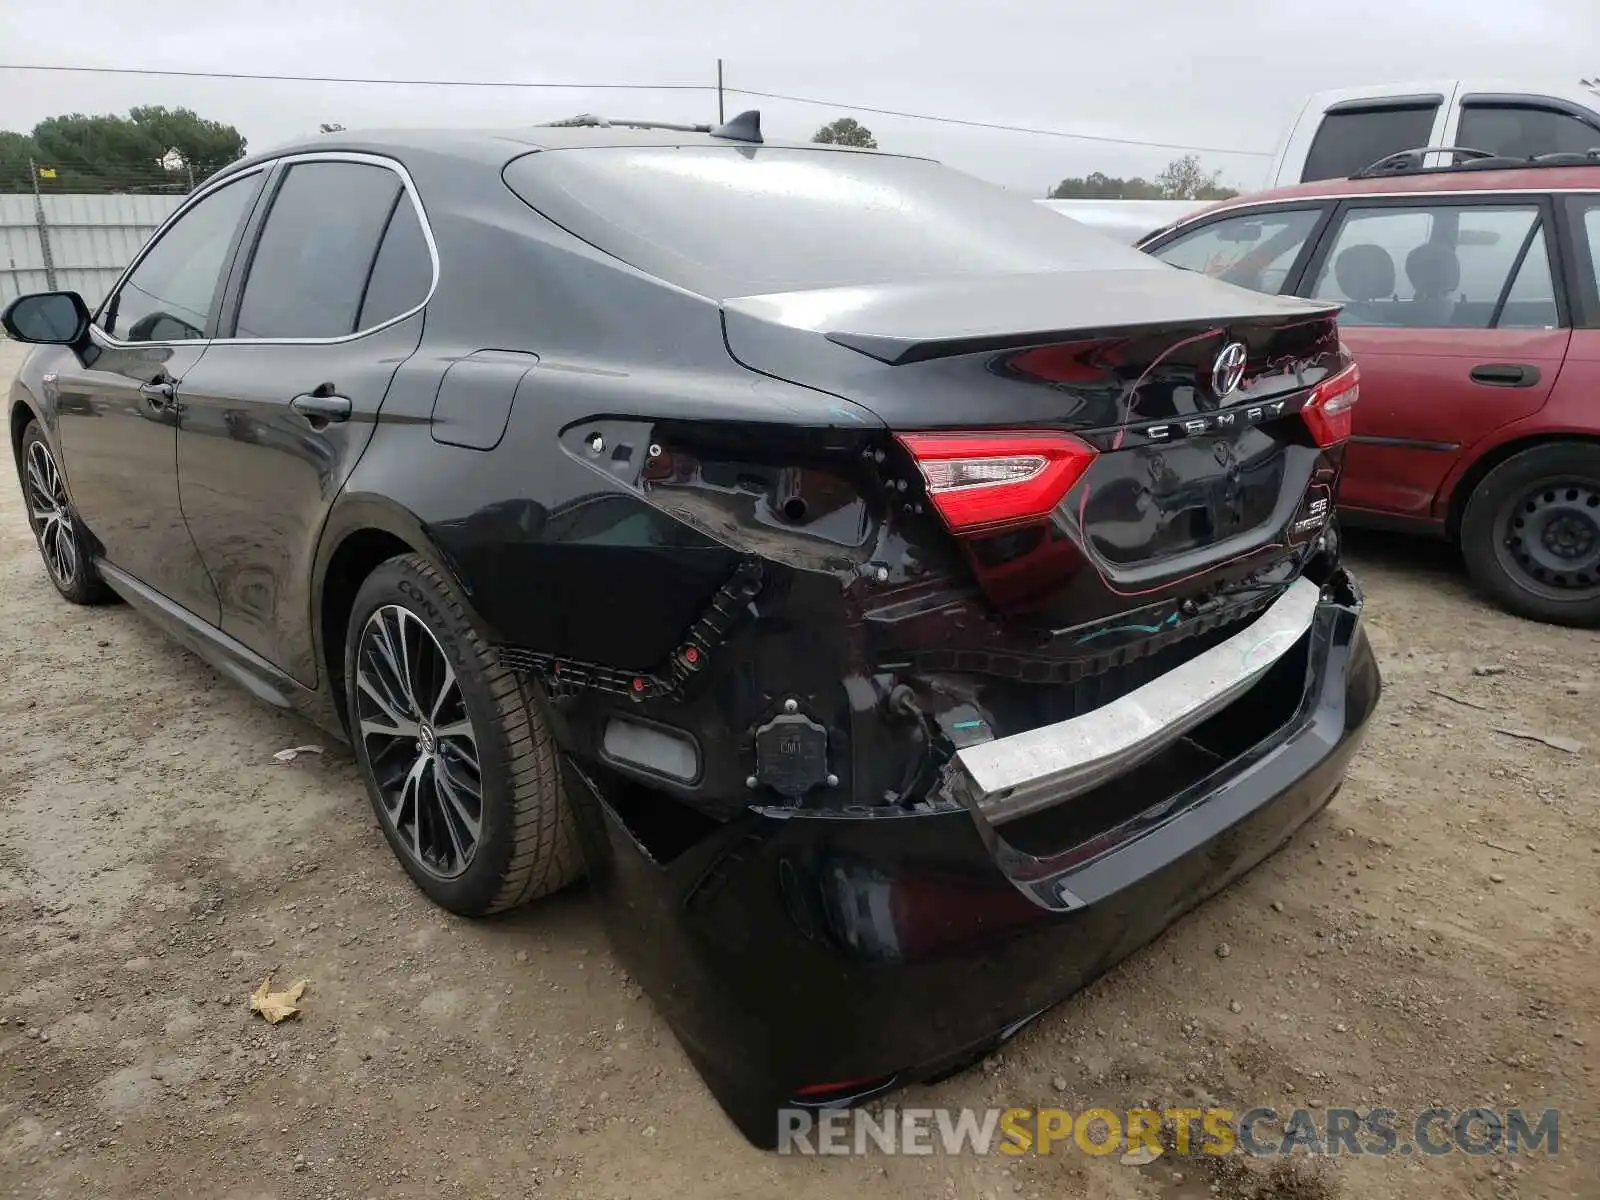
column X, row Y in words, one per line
column 170, row 295
column 1255, row 250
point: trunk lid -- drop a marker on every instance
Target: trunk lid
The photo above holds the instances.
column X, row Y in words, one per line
column 1199, row 473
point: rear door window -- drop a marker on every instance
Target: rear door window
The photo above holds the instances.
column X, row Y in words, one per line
column 1530, row 302
column 1521, row 131
column 402, row 274
column 1352, row 139
column 1440, row 266
column 1253, row 250
column 315, row 252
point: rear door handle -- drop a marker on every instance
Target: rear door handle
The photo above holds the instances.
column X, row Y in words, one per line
column 1505, row 374
column 322, row 405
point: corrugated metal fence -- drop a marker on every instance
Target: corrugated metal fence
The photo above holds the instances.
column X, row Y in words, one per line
column 73, row 243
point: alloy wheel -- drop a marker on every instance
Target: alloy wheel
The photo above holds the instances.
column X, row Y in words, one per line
column 412, row 719
column 47, row 503
column 1551, row 538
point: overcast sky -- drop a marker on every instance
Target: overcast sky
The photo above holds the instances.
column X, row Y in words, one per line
column 1224, row 73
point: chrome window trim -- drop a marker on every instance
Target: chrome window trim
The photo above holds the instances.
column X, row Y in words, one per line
column 376, row 160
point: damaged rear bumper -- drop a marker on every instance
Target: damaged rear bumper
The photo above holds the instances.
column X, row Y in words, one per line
column 811, row 957
column 1029, row 771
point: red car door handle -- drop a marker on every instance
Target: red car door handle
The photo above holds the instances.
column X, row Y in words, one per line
column 1505, row 374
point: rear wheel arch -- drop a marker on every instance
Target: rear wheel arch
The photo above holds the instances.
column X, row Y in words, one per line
column 360, row 536
column 1492, row 458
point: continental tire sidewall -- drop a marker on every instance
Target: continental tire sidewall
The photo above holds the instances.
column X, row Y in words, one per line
column 509, row 733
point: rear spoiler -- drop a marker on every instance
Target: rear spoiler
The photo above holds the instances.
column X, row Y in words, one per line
column 913, row 322
column 897, row 351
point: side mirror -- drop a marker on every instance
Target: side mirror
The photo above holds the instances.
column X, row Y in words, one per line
column 47, row 318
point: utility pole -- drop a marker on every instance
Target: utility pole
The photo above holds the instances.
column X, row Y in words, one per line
column 44, row 229
column 720, row 117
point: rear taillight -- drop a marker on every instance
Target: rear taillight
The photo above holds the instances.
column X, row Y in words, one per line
column 992, row 480
column 1327, row 413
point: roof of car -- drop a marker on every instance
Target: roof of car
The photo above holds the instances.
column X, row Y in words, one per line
column 497, row 146
column 1427, row 182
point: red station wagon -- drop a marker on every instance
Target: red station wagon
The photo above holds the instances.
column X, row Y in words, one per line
column 1472, row 304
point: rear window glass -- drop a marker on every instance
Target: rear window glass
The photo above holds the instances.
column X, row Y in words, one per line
column 740, row 220
column 1520, row 131
column 1351, row 141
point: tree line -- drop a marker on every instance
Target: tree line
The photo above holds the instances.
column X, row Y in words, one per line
column 152, row 149
column 1181, row 179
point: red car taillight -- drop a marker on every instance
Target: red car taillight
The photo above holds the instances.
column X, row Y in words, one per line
column 1327, row 413
column 992, row 480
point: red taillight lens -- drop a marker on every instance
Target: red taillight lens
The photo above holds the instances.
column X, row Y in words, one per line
column 991, row 480
column 1327, row 413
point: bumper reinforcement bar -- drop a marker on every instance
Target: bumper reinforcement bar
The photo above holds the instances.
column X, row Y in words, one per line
column 1013, row 776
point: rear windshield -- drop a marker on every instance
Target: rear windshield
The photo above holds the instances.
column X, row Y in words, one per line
column 742, row 220
column 1354, row 139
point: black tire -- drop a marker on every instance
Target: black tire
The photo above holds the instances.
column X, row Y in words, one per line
column 60, row 541
column 1531, row 533
column 526, row 843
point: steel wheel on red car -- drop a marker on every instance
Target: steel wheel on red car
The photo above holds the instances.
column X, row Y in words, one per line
column 44, row 488
column 455, row 753
column 1531, row 533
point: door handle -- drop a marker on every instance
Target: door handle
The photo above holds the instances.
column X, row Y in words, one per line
column 322, row 406
column 1505, row 374
column 158, row 394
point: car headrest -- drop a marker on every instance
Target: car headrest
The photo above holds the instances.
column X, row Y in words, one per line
column 1433, row 269
column 1364, row 272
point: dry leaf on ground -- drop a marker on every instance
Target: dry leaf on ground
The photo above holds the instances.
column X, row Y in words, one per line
column 275, row 1006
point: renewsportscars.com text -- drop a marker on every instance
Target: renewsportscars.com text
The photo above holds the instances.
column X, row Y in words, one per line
column 1262, row 1131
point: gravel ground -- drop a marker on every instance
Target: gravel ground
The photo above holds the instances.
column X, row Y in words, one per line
column 1429, row 939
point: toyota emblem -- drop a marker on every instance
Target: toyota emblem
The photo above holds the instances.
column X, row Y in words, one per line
column 1227, row 369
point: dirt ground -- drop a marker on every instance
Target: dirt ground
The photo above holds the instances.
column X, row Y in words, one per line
column 1430, row 939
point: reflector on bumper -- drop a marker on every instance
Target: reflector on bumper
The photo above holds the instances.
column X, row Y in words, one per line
column 1016, row 775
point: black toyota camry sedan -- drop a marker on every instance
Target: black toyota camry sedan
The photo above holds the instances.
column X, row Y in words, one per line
column 900, row 601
